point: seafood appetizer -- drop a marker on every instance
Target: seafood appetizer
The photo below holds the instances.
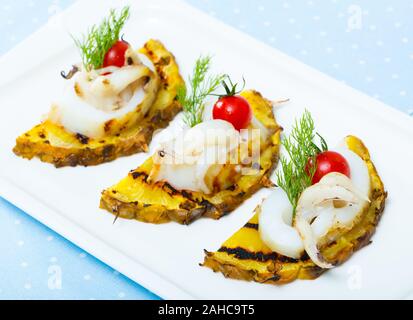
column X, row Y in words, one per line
column 327, row 206
column 218, row 161
column 112, row 102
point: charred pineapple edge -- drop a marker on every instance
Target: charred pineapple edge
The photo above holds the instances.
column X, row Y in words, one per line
column 86, row 152
column 276, row 269
column 197, row 206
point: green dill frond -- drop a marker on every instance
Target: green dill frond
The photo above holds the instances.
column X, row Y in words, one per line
column 296, row 175
column 201, row 86
column 94, row 45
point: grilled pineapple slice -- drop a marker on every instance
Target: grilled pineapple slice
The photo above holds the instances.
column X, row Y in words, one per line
column 135, row 198
column 53, row 144
column 244, row 256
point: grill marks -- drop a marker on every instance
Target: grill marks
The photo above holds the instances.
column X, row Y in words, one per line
column 82, row 139
column 243, row 254
column 137, row 174
column 259, row 256
column 169, row 189
column 108, row 125
column 160, row 64
column 251, row 226
column 191, row 201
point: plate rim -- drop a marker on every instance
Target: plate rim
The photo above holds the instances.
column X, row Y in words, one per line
column 103, row 251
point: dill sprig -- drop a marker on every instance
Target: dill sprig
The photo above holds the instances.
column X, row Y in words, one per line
column 94, row 45
column 201, row 86
column 296, row 173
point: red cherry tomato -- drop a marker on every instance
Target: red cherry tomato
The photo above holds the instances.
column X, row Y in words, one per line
column 116, row 55
column 327, row 162
column 234, row 109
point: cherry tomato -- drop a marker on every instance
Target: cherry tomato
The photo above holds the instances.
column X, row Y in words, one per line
column 327, row 162
column 116, row 55
column 234, row 109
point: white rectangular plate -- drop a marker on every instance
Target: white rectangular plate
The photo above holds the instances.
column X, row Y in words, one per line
column 165, row 258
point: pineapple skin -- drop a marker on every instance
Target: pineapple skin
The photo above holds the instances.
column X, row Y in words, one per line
column 135, row 198
column 244, row 256
column 51, row 143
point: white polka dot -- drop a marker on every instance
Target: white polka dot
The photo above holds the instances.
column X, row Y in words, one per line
column 373, row 27
column 298, row 36
column 380, row 43
column 24, row 264
column 336, row 66
column 53, row 260
column 20, row 243
column 397, row 24
column 304, row 52
column 403, row 93
column 267, row 23
column 291, row 20
column 237, row 11
column 329, row 50
column 323, row 33
column 87, row 277
column 121, row 295
column 354, row 46
column 405, row 40
column 27, row 286
column 387, row 59
column 395, row 76
column 272, row 39
column 362, row 62
column 49, row 238
column 286, row 5
column 390, row 9
column 316, row 18
column 369, row 79
column 261, row 8
column 17, row 222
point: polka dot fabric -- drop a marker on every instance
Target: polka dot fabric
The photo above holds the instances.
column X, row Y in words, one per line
column 367, row 44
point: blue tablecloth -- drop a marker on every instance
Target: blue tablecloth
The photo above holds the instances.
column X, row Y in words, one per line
column 368, row 44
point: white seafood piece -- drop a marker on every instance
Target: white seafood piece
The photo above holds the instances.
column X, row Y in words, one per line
column 333, row 203
column 186, row 162
column 275, row 226
column 93, row 98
